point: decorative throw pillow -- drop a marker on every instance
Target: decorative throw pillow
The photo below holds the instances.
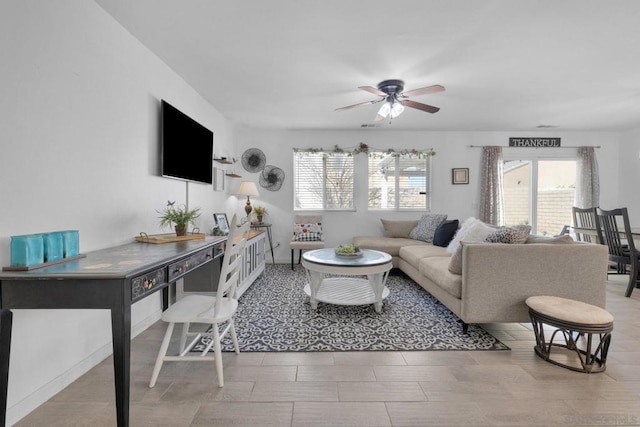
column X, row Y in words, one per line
column 507, row 235
column 307, row 232
column 398, row 228
column 426, row 227
column 542, row 239
column 308, row 237
column 522, row 227
column 445, row 232
column 464, row 228
column 476, row 231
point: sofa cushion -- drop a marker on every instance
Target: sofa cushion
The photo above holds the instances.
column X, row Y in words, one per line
column 507, row 235
column 390, row 245
column 398, row 228
column 445, row 232
column 436, row 269
column 543, row 239
column 426, row 227
column 455, row 263
column 413, row 254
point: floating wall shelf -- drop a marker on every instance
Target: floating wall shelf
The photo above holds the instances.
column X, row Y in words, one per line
column 224, row 161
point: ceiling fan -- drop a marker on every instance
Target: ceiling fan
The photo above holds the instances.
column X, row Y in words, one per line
column 391, row 91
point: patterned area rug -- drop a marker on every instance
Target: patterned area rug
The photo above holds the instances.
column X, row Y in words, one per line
column 274, row 314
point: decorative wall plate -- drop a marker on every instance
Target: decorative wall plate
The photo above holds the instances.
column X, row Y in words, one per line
column 253, row 160
column 271, row 178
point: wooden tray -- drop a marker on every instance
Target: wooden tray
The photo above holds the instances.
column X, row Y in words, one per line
column 45, row 264
column 168, row 238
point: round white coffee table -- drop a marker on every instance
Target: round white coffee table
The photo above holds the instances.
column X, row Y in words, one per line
column 347, row 290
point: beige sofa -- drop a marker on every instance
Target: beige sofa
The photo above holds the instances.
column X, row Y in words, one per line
column 497, row 278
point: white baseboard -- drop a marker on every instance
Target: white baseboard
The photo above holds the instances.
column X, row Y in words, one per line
column 21, row 409
column 144, row 324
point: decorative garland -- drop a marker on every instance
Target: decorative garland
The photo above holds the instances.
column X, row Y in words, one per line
column 374, row 152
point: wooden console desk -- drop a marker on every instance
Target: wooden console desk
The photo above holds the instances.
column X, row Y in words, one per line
column 112, row 279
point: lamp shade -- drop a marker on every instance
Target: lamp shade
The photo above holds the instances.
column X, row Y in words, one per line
column 385, row 109
column 396, row 109
column 247, row 188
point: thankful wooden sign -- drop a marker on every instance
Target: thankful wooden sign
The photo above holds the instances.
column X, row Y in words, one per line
column 534, row 142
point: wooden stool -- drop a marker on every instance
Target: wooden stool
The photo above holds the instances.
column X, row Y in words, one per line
column 574, row 319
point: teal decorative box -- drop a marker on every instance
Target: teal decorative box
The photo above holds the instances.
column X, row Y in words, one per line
column 70, row 243
column 27, row 250
column 53, row 246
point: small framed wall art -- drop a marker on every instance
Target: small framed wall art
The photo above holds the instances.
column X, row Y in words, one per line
column 218, row 179
column 460, row 175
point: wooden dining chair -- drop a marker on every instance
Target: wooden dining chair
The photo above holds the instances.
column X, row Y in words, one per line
column 619, row 241
column 215, row 311
column 585, row 219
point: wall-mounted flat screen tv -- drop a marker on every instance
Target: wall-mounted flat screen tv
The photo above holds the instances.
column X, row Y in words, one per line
column 187, row 147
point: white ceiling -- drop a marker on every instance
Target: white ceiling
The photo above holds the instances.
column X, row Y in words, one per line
column 505, row 64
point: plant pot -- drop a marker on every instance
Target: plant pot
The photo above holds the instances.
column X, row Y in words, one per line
column 259, row 217
column 181, row 230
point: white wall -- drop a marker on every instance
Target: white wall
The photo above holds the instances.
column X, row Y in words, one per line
column 629, row 176
column 452, row 151
column 80, row 104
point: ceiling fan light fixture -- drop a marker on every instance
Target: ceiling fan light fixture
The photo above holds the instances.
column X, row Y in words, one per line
column 396, row 109
column 385, row 109
column 394, row 99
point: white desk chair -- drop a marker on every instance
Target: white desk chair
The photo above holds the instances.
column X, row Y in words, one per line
column 211, row 310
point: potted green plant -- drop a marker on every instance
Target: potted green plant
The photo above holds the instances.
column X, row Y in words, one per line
column 260, row 211
column 180, row 216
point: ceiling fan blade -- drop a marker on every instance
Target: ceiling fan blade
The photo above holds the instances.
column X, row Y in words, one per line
column 372, row 90
column 423, row 91
column 420, row 106
column 357, row 105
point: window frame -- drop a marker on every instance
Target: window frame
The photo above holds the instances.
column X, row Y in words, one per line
column 534, row 156
column 397, row 158
column 325, row 155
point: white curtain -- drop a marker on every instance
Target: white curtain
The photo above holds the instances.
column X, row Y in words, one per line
column 587, row 179
column 491, row 208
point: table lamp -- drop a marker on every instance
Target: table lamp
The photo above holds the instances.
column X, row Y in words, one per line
column 247, row 188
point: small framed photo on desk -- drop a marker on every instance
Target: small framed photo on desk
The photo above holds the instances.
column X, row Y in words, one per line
column 222, row 223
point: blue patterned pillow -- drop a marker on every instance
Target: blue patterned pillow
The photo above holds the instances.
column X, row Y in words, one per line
column 426, row 227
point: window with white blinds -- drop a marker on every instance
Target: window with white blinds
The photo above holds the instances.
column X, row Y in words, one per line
column 399, row 181
column 323, row 181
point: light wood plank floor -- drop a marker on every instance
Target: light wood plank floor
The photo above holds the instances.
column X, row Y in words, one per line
column 439, row 388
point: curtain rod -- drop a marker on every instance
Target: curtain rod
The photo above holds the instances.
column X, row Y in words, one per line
column 506, row 146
